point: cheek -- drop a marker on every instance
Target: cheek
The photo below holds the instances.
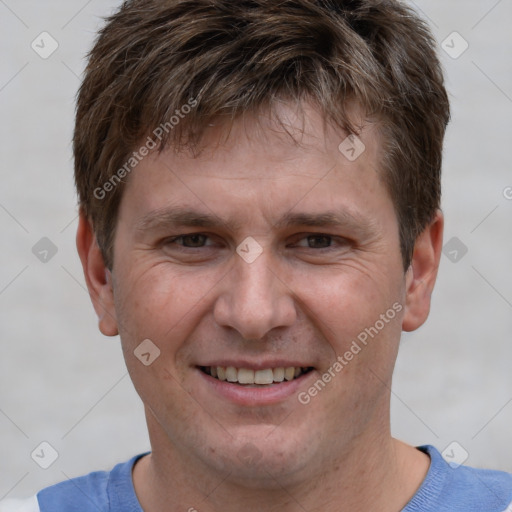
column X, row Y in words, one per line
column 345, row 303
column 359, row 315
column 157, row 304
column 157, row 313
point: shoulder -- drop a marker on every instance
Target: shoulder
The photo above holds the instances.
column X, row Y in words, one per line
column 90, row 490
column 460, row 488
column 100, row 491
column 483, row 488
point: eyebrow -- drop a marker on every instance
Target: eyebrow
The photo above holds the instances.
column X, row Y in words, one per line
column 173, row 217
column 179, row 216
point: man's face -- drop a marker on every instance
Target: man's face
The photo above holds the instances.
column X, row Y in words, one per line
column 329, row 268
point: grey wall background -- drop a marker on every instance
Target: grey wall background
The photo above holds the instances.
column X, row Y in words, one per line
column 63, row 383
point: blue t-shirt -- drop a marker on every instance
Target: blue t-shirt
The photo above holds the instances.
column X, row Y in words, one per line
column 445, row 489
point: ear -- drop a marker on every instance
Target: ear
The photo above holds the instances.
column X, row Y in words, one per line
column 422, row 273
column 97, row 277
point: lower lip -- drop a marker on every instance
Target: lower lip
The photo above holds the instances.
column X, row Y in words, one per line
column 255, row 396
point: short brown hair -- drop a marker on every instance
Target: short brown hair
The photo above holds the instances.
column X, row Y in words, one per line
column 226, row 57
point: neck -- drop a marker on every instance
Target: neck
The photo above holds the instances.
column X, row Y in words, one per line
column 375, row 472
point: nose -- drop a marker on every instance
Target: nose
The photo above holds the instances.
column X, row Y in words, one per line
column 254, row 298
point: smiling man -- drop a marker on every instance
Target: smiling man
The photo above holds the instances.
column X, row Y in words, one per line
column 259, row 188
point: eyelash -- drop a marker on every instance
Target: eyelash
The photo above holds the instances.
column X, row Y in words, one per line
column 332, row 240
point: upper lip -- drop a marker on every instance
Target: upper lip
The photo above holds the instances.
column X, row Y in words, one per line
column 253, row 365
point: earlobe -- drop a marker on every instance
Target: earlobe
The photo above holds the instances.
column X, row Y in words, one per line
column 97, row 277
column 422, row 273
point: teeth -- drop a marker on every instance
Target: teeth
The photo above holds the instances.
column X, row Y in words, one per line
column 231, row 374
column 259, row 377
column 289, row 373
column 262, row 376
column 278, row 374
column 245, row 376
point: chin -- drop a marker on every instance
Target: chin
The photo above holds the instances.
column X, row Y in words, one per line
column 265, row 461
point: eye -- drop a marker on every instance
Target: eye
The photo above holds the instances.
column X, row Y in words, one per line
column 319, row 241
column 192, row 241
column 316, row 241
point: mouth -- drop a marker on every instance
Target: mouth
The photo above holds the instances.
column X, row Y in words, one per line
column 247, row 377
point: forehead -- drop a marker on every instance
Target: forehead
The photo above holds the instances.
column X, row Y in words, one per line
column 286, row 128
column 285, row 157
column 287, row 131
